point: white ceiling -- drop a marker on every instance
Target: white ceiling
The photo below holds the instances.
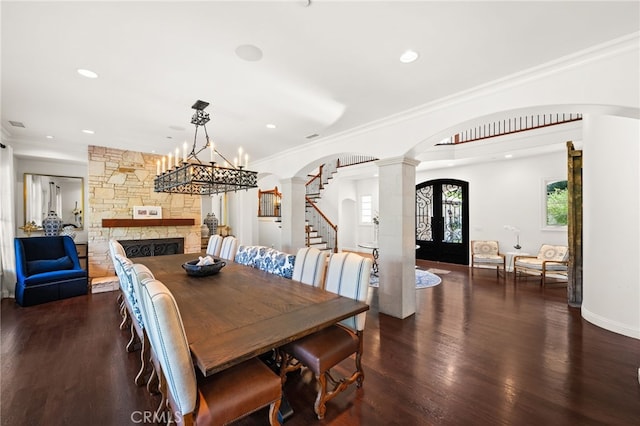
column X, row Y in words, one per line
column 325, row 68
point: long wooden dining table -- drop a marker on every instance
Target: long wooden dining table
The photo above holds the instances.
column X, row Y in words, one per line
column 241, row 312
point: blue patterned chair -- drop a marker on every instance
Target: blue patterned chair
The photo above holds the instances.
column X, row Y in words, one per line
column 266, row 259
column 277, row 262
column 246, row 255
column 48, row 269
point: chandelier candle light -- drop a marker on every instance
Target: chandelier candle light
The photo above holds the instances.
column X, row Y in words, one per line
column 188, row 175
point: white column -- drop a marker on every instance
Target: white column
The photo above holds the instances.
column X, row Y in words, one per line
column 611, row 230
column 397, row 204
column 293, row 193
column 243, row 210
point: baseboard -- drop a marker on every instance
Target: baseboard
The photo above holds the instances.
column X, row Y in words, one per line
column 608, row 324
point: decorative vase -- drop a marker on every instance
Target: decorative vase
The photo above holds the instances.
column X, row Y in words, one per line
column 70, row 231
column 204, row 231
column 51, row 225
column 212, row 223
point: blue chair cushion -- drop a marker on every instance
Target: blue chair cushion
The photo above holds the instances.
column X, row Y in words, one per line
column 53, row 276
column 49, row 265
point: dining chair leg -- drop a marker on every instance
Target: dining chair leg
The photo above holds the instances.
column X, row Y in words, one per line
column 164, row 399
column 125, row 317
column 133, row 345
column 152, row 383
column 274, row 408
column 320, row 405
column 144, row 355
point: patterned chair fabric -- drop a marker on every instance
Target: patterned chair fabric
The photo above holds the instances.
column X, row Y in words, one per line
column 246, row 255
column 215, row 245
column 309, row 267
column 229, row 247
column 348, row 275
column 223, row 397
column 266, row 259
column 487, row 253
column 550, row 258
column 126, row 265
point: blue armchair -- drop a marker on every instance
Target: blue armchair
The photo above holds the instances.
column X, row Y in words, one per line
column 48, row 269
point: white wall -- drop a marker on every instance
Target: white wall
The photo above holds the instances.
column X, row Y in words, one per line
column 508, row 192
column 611, row 287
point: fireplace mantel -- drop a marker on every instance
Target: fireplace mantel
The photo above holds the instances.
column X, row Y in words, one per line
column 135, row 223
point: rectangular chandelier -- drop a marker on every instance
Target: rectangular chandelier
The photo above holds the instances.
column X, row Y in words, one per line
column 205, row 179
column 193, row 177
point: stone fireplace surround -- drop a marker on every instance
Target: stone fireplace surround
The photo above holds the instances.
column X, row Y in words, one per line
column 117, row 181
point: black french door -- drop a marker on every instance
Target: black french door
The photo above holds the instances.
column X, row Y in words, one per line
column 442, row 221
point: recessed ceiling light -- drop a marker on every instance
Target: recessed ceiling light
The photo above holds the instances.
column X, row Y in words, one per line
column 408, row 56
column 87, row 73
column 508, row 156
column 271, row 126
column 87, row 131
column 49, row 137
column 249, row 52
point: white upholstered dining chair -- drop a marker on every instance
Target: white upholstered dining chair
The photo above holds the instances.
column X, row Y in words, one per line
column 347, row 275
column 229, row 247
column 309, row 266
column 215, row 400
column 215, row 245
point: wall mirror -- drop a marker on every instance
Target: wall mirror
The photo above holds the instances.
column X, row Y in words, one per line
column 63, row 195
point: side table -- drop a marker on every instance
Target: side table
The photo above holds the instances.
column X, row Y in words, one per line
column 373, row 246
column 83, row 255
column 510, row 255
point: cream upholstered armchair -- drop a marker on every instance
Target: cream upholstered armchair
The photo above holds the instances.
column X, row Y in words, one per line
column 487, row 253
column 550, row 260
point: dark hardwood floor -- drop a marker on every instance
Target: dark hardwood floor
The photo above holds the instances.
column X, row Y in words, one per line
column 481, row 352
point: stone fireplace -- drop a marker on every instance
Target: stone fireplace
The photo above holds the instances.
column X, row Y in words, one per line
column 118, row 180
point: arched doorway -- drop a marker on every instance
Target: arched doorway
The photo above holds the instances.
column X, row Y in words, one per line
column 442, row 216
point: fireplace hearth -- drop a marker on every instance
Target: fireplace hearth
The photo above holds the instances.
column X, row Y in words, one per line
column 153, row 247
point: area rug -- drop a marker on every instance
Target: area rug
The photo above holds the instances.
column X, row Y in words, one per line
column 424, row 279
column 438, row 271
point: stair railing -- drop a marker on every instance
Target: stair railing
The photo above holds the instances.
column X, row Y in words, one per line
column 509, row 126
column 319, row 222
column 269, row 203
column 314, row 185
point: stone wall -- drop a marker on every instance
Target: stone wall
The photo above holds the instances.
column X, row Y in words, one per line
column 119, row 180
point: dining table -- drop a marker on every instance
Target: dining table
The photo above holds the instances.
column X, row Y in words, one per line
column 241, row 312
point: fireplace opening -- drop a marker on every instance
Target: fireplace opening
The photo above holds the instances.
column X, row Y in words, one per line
column 153, row 247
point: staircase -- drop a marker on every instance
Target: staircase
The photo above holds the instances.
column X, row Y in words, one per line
column 315, row 240
column 321, row 233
